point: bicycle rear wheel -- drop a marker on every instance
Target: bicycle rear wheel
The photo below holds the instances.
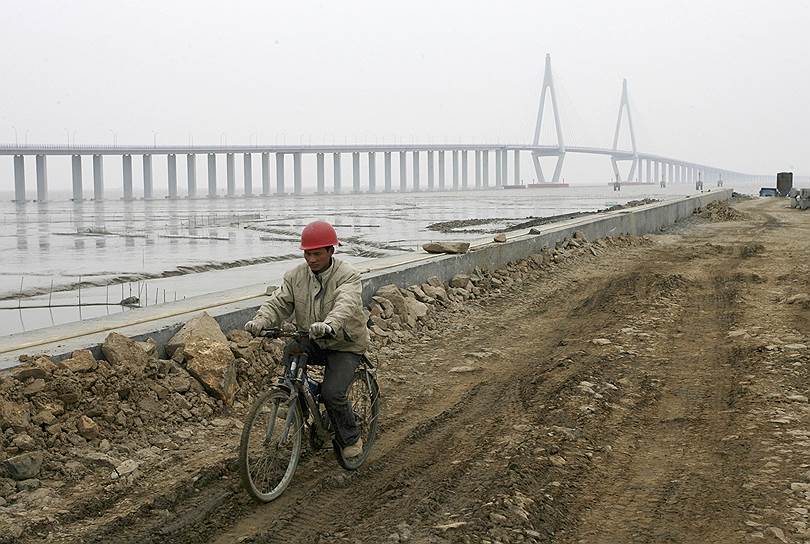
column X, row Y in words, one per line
column 364, row 394
column 271, row 445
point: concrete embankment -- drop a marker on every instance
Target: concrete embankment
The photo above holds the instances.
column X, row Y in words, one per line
column 233, row 307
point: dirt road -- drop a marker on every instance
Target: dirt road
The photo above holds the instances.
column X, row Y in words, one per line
column 655, row 392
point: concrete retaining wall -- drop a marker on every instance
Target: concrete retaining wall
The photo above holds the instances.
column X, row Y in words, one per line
column 233, row 308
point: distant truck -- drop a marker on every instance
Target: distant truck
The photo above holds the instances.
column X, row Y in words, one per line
column 768, row 191
column 784, row 182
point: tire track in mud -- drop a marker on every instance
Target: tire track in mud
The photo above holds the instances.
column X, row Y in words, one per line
column 679, row 477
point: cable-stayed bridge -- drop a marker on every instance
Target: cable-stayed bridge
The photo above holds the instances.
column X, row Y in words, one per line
column 420, row 166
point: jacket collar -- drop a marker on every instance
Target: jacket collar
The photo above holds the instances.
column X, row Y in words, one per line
column 324, row 276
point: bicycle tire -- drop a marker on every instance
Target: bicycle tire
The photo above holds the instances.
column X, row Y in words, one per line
column 267, row 482
column 366, row 406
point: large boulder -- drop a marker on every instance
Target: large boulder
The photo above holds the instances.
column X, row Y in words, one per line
column 446, row 247
column 388, row 309
column 212, row 363
column 40, row 368
column 24, row 466
column 421, row 296
column 202, row 326
column 434, row 291
column 80, row 361
column 415, row 308
column 460, row 281
column 123, row 352
column 14, row 416
column 394, row 296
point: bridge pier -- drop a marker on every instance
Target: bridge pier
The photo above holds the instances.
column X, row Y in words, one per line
column 42, row 178
column 126, row 175
column 464, row 169
column 336, row 173
column 19, row 178
column 147, row 177
column 279, row 173
column 485, row 167
column 372, row 172
column 230, row 174
column 516, row 167
column 248, row 171
column 265, row 174
column 355, row 172
column 387, row 171
column 297, row 184
column 416, row 171
column 498, row 180
column 403, row 172
column 441, row 170
column 78, row 193
column 171, row 173
column 98, row 177
column 649, row 172
column 431, row 173
column 504, row 166
column 191, row 174
column 455, row 169
column 656, row 170
column 320, row 180
column 212, row 175
column 477, row 168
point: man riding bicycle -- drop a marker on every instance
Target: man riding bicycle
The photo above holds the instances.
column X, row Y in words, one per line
column 324, row 296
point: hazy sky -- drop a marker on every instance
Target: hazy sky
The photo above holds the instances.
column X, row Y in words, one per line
column 723, row 82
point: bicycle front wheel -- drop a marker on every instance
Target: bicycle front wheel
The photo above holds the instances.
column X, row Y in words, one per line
column 271, row 445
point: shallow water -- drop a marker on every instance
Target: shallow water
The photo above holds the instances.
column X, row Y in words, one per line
column 181, row 248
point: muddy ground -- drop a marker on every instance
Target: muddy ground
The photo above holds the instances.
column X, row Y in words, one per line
column 653, row 392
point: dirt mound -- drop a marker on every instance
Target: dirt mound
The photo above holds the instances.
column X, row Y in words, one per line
column 721, row 211
column 633, row 286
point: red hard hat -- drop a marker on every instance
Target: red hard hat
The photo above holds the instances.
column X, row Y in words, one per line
column 318, row 234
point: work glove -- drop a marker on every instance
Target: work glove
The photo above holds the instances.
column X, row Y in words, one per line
column 254, row 327
column 319, row 329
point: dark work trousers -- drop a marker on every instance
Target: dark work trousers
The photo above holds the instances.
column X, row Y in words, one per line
column 340, row 367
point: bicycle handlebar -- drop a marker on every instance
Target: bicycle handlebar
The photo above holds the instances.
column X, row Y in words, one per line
column 277, row 332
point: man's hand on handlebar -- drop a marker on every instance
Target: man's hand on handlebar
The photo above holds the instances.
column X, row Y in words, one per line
column 254, row 327
column 319, row 329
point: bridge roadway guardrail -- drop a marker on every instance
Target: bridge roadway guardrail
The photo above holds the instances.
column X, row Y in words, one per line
column 234, row 307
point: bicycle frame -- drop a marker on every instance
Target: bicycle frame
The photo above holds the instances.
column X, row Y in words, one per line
column 293, row 382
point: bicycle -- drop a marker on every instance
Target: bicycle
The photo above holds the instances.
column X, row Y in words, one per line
column 270, row 446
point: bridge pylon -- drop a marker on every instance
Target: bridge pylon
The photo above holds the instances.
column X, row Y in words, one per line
column 624, row 106
column 548, row 87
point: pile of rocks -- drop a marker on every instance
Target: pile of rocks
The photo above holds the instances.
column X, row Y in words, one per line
column 395, row 314
column 720, row 210
column 799, row 198
column 129, row 400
